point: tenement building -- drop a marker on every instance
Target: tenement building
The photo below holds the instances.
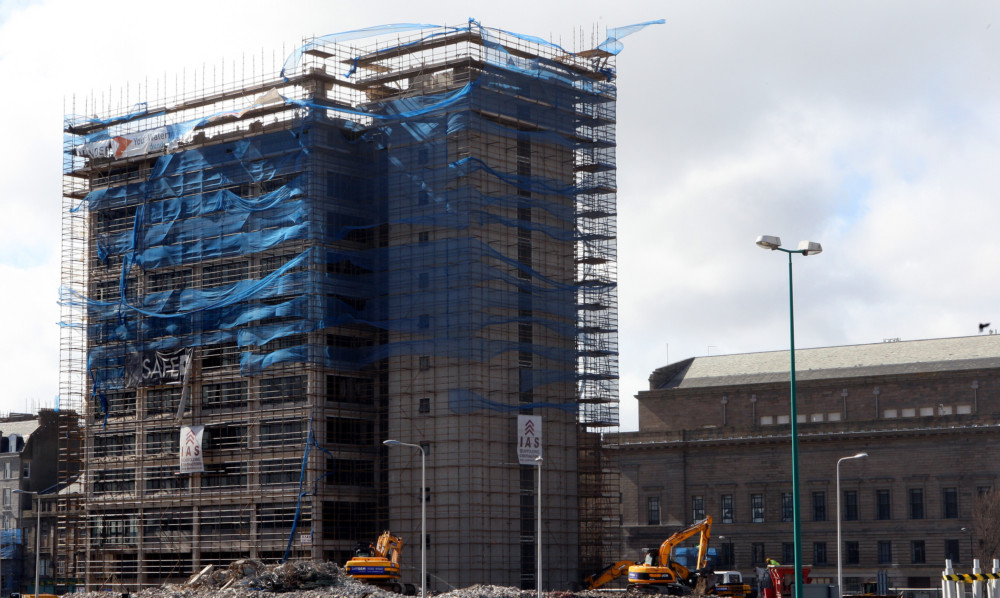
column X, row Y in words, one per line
column 714, row 439
column 408, row 233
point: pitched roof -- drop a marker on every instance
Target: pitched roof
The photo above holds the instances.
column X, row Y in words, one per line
column 877, row 359
column 23, row 427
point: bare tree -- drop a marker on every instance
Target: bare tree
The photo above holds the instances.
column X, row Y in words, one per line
column 986, row 525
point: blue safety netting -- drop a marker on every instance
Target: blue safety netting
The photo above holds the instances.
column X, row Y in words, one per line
column 309, row 205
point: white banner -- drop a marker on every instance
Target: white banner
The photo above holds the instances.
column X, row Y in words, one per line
column 191, row 449
column 124, row 146
column 529, row 438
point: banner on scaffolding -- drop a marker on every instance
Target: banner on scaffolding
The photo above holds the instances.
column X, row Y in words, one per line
column 529, row 439
column 191, row 461
column 153, row 368
column 125, row 146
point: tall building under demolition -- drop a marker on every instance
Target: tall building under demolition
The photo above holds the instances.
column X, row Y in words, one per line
column 412, row 239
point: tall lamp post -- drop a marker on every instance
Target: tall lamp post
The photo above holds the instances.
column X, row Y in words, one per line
column 972, row 557
column 38, row 532
column 805, row 248
column 423, row 511
column 538, row 557
column 840, row 562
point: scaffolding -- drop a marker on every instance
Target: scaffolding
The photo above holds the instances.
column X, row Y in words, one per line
column 413, row 239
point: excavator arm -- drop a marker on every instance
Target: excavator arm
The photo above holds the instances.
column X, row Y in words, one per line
column 607, row 575
column 703, row 527
column 389, row 547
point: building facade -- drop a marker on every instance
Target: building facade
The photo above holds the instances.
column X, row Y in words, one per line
column 413, row 240
column 15, row 431
column 714, row 439
column 29, row 463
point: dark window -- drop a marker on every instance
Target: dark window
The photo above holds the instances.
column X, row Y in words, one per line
column 727, row 508
column 883, row 508
column 423, row 236
column 916, row 503
column 819, row 553
column 163, row 400
column 951, row 551
column 225, row 395
column 282, row 433
column 850, row 505
column 819, row 506
column 350, row 472
column 697, row 508
column 224, row 475
column 425, row 362
column 786, row 506
column 114, row 445
column 653, row 510
column 949, row 503
column 424, row 280
column 424, row 321
column 425, row 405
column 286, row 389
column 787, row 552
column 757, row 508
column 164, row 478
column 110, row 480
column 279, row 471
column 167, row 441
column 348, row 389
column 884, row 552
column 918, row 553
column 349, row 431
column 423, row 198
column 220, row 438
column 223, row 274
column 218, row 356
column 757, row 554
column 851, row 553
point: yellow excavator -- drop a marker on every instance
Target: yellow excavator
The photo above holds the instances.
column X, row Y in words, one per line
column 378, row 564
column 660, row 574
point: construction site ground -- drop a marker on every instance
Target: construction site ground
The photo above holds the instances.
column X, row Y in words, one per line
column 303, row 579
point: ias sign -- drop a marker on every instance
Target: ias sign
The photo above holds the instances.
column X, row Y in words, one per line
column 529, row 438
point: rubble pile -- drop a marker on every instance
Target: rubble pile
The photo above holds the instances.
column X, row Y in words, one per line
column 250, row 578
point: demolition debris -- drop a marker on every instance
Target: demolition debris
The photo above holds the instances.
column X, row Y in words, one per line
column 301, row 579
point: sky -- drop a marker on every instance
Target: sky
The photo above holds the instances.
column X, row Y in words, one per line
column 870, row 127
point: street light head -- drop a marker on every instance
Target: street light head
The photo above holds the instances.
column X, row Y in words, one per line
column 768, row 242
column 808, row 247
column 859, row 455
column 391, row 442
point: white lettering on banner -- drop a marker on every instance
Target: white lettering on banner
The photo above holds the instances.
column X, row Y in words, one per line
column 529, row 438
column 191, row 449
column 125, row 146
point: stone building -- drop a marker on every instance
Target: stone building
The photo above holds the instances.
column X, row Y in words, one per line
column 714, row 438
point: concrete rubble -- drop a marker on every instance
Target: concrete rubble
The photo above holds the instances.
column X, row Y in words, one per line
column 303, row 579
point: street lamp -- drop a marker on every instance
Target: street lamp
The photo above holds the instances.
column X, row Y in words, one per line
column 805, row 248
column 423, row 511
column 840, row 565
column 38, row 532
column 972, row 557
column 538, row 566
